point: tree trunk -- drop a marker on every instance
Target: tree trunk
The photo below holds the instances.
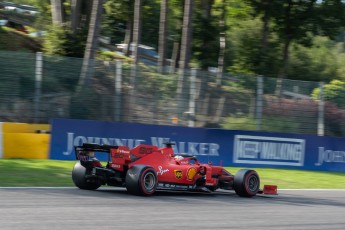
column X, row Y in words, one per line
column 182, row 94
column 136, row 42
column 265, row 28
column 222, row 44
column 287, row 42
column 206, row 5
column 186, row 35
column 136, row 29
column 57, row 11
column 284, row 69
column 162, row 35
column 91, row 44
column 75, row 14
column 128, row 37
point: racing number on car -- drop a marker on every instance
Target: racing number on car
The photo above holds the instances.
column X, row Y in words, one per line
column 178, row 174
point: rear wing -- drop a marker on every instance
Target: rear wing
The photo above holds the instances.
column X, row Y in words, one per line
column 87, row 150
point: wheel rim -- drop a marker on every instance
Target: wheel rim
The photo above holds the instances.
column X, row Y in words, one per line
column 149, row 181
column 253, row 183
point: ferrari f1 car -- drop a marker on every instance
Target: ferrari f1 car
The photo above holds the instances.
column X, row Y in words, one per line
column 147, row 168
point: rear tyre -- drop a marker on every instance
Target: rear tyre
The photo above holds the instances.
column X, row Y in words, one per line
column 246, row 183
column 78, row 177
column 141, row 180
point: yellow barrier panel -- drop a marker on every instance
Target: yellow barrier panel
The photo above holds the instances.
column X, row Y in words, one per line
column 24, row 127
column 26, row 145
column 1, row 146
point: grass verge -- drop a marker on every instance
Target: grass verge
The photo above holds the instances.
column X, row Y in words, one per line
column 50, row 173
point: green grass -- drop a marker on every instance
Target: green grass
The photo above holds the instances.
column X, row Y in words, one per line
column 298, row 179
column 42, row 173
column 19, row 172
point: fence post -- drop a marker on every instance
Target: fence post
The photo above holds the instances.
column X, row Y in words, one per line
column 321, row 108
column 38, row 85
column 259, row 103
column 132, row 99
column 192, row 91
column 118, row 87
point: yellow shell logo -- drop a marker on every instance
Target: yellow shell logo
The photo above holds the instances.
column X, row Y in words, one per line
column 178, row 174
column 191, row 173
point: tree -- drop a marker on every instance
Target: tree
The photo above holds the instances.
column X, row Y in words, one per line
column 185, row 54
column 322, row 61
column 60, row 40
column 58, row 13
column 163, row 23
column 330, row 18
column 293, row 25
column 91, row 44
column 205, row 34
column 118, row 22
column 136, row 29
column 301, row 20
column 266, row 10
column 75, row 14
column 222, row 43
column 186, row 35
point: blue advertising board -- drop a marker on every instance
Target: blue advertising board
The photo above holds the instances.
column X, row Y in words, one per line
column 227, row 147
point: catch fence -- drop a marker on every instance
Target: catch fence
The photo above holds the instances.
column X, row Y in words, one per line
column 35, row 88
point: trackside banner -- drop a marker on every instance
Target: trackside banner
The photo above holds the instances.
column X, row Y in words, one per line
column 226, row 147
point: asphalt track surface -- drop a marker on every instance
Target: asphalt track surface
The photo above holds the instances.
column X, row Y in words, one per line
column 114, row 208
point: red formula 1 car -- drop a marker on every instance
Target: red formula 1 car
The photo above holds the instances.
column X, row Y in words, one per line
column 147, row 168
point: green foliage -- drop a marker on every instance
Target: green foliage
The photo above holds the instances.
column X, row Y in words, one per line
column 60, row 40
column 268, row 124
column 205, row 38
column 311, row 58
column 161, row 86
column 115, row 16
column 17, row 77
column 56, row 78
column 239, row 123
column 319, row 62
column 84, row 103
column 330, row 17
column 333, row 92
column 238, row 11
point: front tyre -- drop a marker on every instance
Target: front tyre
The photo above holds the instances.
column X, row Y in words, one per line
column 246, row 183
column 141, row 180
column 78, row 176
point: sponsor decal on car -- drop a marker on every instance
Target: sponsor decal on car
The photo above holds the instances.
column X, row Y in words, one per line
column 191, row 173
column 115, row 166
column 174, row 186
column 178, row 174
column 268, row 150
column 161, row 171
column 122, row 151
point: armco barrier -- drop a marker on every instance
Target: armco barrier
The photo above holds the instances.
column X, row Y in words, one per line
column 20, row 140
column 228, row 147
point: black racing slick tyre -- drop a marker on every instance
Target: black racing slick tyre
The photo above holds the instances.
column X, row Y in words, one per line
column 78, row 177
column 246, row 183
column 141, row 180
